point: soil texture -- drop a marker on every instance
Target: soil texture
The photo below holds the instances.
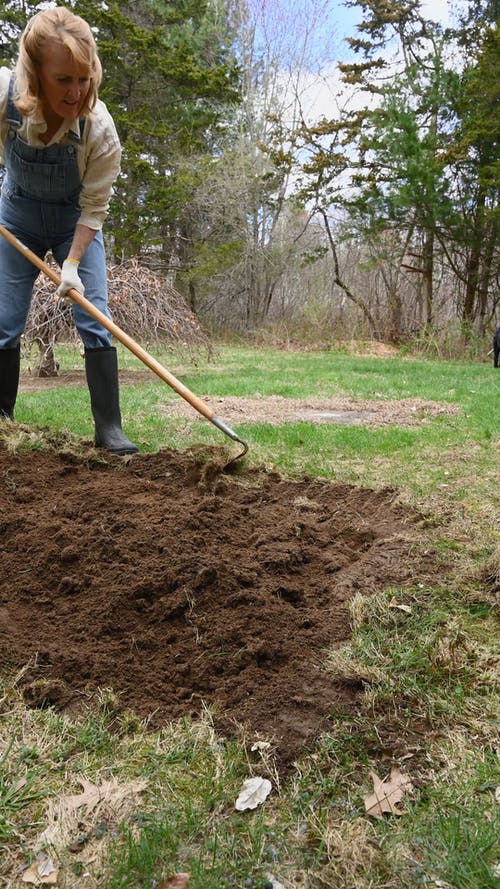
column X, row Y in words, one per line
column 180, row 585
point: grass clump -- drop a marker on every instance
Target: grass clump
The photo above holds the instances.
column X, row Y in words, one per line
column 431, row 658
column 18, row 773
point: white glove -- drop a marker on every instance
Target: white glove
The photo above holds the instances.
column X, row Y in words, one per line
column 69, row 279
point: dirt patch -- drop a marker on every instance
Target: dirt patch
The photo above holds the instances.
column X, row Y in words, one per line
column 178, row 585
column 275, row 409
column 29, row 382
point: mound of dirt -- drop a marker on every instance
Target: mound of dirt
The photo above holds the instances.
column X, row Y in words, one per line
column 178, row 585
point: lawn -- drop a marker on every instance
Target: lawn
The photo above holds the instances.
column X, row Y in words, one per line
column 106, row 801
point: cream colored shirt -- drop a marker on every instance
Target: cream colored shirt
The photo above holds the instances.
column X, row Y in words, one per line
column 99, row 152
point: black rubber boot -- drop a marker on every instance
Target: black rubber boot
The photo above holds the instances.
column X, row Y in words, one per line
column 10, row 361
column 101, row 367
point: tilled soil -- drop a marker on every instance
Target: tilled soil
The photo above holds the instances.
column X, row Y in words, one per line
column 179, row 585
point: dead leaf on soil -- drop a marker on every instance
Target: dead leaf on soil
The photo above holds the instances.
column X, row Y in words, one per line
column 20, row 784
column 176, row 881
column 273, row 882
column 254, row 792
column 112, row 793
column 260, row 746
column 395, row 604
column 43, row 871
column 387, row 793
column 92, row 795
column 65, row 814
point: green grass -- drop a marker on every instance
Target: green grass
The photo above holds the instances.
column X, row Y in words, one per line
column 430, row 672
column 432, row 461
column 17, row 777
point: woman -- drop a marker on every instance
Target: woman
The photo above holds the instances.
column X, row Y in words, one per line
column 62, row 155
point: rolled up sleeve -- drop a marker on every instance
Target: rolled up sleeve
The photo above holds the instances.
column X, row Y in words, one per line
column 99, row 168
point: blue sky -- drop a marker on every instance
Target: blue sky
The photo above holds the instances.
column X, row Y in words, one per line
column 291, row 22
column 288, row 24
column 346, row 18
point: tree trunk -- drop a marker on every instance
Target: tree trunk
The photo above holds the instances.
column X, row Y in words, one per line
column 428, row 276
column 339, row 280
column 473, row 265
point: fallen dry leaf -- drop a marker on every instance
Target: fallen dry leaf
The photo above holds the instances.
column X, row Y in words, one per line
column 387, row 793
column 395, row 604
column 65, row 814
column 90, row 797
column 20, row 784
column 43, row 871
column 260, row 745
column 273, row 882
column 176, row 881
column 254, row 792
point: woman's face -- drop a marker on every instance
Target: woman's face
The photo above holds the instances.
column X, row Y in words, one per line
column 63, row 84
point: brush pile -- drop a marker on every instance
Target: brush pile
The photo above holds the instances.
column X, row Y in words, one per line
column 143, row 303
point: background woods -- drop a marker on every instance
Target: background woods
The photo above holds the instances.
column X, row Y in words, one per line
column 278, row 176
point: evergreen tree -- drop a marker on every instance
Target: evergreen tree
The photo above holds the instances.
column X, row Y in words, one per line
column 170, row 82
column 13, row 18
column 428, row 155
column 474, row 157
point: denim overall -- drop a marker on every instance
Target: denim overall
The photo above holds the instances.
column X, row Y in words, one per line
column 39, row 204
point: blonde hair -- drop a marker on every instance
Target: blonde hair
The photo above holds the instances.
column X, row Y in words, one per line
column 69, row 30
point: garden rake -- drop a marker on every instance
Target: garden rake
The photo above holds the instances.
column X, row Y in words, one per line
column 132, row 345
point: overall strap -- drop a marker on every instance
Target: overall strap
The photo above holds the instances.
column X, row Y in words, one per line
column 14, row 116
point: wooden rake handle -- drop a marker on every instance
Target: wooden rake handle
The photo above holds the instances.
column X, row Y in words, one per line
column 128, row 341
